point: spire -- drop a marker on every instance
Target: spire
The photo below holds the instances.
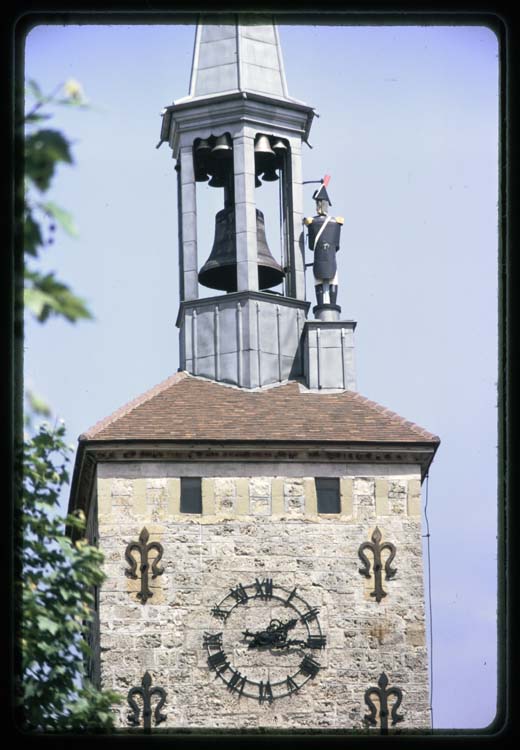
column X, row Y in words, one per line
column 237, row 53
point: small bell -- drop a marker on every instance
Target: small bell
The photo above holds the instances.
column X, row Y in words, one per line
column 222, row 148
column 264, row 154
column 201, row 175
column 202, row 147
column 217, row 180
column 279, row 148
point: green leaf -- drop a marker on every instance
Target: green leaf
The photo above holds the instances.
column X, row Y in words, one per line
column 43, row 150
column 48, row 296
column 54, row 143
column 57, row 580
column 37, row 404
column 48, row 625
column 33, row 117
column 64, row 218
column 34, row 88
column 32, row 235
column 38, row 303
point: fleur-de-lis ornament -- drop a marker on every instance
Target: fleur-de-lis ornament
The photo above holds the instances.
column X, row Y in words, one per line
column 143, row 547
column 383, row 693
column 146, row 692
column 376, row 548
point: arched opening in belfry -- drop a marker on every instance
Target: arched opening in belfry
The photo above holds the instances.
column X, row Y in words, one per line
column 219, row 223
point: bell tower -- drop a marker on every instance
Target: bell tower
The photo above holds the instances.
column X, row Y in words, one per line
column 238, row 128
column 239, row 131
column 260, row 520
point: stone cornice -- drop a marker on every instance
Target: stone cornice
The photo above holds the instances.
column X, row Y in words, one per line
column 92, row 452
column 215, row 113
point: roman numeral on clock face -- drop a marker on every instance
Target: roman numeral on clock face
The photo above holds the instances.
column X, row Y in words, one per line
column 264, row 588
column 218, row 661
column 292, row 687
column 265, row 692
column 316, row 641
column 309, row 666
column 219, row 613
column 309, row 615
column 237, row 683
column 213, row 640
column 239, row 594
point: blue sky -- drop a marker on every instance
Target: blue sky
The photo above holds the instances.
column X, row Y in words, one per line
column 408, row 131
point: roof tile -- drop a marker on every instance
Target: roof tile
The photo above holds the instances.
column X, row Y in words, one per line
column 185, row 407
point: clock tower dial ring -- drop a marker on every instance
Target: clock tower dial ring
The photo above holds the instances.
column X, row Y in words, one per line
column 295, row 629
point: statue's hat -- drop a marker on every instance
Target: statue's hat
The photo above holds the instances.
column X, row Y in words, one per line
column 321, row 193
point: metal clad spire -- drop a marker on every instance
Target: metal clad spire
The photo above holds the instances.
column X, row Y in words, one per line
column 237, row 53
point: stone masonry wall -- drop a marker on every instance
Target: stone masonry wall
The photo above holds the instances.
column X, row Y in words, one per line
column 263, row 527
column 93, row 660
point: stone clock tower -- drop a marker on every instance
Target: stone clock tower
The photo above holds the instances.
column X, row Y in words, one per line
column 260, row 519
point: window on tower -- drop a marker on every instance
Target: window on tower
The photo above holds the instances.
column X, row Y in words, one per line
column 191, row 495
column 327, row 492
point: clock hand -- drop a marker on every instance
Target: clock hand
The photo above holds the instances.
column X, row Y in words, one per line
column 275, row 635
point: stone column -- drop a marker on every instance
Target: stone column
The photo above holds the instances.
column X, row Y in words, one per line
column 188, row 219
column 245, row 213
column 297, row 256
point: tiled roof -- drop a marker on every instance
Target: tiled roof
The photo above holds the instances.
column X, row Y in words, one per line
column 185, row 407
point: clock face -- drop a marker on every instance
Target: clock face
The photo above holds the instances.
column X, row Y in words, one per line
column 267, row 641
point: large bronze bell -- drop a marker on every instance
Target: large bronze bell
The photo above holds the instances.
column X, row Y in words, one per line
column 220, row 270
